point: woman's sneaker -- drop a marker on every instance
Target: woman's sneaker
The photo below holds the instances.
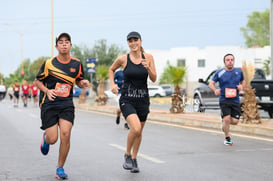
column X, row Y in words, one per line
column 44, row 146
column 135, row 168
column 117, row 119
column 60, row 174
column 126, row 126
column 127, row 162
column 228, row 141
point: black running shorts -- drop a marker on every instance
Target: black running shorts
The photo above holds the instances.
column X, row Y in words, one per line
column 16, row 94
column 230, row 108
column 127, row 108
column 51, row 116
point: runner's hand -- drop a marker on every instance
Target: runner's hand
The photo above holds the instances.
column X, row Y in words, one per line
column 115, row 89
column 84, row 84
column 240, row 87
column 145, row 63
column 217, row 92
column 51, row 94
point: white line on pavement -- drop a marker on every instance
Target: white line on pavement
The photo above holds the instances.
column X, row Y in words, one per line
column 211, row 131
column 152, row 159
column 33, row 115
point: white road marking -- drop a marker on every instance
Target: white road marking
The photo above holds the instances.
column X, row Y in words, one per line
column 152, row 159
column 211, row 131
column 33, row 115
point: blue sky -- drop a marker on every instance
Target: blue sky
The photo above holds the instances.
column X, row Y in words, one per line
column 162, row 24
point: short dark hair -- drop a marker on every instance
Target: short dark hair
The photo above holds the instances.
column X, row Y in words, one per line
column 228, row 55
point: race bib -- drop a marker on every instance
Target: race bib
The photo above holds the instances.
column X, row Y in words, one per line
column 230, row 93
column 62, row 90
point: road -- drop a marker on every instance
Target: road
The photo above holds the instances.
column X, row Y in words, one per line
column 97, row 147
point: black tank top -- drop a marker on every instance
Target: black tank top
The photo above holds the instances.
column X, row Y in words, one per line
column 135, row 80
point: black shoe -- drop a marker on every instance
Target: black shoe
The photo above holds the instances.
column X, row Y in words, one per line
column 135, row 168
column 127, row 162
column 118, row 120
column 126, row 126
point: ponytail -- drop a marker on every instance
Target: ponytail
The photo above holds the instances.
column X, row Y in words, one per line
column 141, row 49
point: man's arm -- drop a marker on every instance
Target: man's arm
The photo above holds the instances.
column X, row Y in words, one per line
column 83, row 83
column 49, row 92
column 213, row 88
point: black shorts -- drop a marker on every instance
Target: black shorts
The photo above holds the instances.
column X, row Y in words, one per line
column 16, row 94
column 134, row 107
column 230, row 108
column 51, row 116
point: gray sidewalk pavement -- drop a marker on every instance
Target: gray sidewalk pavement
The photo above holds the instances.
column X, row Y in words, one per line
column 201, row 120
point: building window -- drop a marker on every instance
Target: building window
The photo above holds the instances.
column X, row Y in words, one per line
column 181, row 62
column 258, row 61
column 201, row 63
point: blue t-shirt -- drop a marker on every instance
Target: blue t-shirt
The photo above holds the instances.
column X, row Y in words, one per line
column 119, row 80
column 229, row 79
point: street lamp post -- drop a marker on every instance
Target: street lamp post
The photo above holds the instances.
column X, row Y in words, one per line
column 271, row 35
column 52, row 28
column 21, row 34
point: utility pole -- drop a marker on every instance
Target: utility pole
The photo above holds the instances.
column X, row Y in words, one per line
column 271, row 36
column 52, row 28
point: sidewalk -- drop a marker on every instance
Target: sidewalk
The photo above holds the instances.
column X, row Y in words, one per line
column 201, row 120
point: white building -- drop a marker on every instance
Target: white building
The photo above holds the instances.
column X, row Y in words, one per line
column 200, row 62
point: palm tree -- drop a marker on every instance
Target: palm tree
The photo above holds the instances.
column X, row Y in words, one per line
column 102, row 75
column 175, row 76
column 249, row 104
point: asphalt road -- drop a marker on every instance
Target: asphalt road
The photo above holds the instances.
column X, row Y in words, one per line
column 167, row 153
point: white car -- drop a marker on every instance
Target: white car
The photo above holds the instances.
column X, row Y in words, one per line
column 156, row 91
column 110, row 94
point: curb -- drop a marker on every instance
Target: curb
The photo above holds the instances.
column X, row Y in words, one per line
column 201, row 120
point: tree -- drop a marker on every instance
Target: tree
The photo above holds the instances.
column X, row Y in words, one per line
column 105, row 55
column 175, row 76
column 257, row 30
column 249, row 104
column 102, row 75
column 266, row 66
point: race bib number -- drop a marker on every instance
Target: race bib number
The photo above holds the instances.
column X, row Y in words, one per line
column 230, row 93
column 62, row 90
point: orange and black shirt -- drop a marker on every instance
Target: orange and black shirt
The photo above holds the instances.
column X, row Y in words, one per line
column 60, row 76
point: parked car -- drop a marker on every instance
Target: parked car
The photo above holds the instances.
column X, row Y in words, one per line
column 109, row 94
column 204, row 97
column 77, row 91
column 168, row 89
column 156, row 91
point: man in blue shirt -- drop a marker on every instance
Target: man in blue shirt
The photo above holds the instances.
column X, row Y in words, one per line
column 231, row 82
column 119, row 79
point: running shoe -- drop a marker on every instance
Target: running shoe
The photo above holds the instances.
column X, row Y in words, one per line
column 135, row 168
column 44, row 146
column 118, row 120
column 126, row 126
column 127, row 165
column 228, row 141
column 60, row 174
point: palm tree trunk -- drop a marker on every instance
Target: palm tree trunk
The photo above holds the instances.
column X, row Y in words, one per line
column 178, row 101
